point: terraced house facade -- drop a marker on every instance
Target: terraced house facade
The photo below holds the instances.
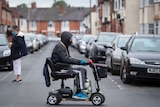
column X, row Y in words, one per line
column 129, row 16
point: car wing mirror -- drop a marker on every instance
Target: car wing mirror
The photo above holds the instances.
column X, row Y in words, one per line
column 124, row 48
column 108, row 46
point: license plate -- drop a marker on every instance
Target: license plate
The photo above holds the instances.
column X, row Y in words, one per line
column 154, row 71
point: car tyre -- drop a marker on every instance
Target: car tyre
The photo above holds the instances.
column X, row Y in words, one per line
column 125, row 78
column 113, row 72
column 10, row 68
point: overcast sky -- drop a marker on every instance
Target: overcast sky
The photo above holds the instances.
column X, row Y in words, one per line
column 48, row 3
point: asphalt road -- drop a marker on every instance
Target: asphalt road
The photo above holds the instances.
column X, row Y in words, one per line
column 32, row 92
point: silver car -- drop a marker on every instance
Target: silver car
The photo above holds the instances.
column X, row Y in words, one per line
column 113, row 53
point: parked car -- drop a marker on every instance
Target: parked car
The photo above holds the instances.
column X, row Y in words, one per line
column 5, row 53
column 53, row 38
column 34, row 40
column 78, row 40
column 97, row 52
column 39, row 37
column 29, row 44
column 83, row 42
column 113, row 53
column 141, row 58
column 74, row 41
column 43, row 40
column 88, row 46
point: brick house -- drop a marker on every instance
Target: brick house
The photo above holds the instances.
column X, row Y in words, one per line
column 5, row 16
column 150, row 16
column 54, row 20
column 8, row 17
column 119, row 15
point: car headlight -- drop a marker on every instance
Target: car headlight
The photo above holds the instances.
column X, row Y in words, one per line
column 7, row 53
column 136, row 61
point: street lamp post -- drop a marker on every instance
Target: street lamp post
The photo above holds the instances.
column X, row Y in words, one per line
column 90, row 18
column 28, row 16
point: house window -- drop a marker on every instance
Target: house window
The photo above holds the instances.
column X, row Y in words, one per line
column 151, row 1
column 121, row 5
column 105, row 10
column 142, row 2
column 148, row 2
column 50, row 24
column 65, row 24
column 32, row 24
column 21, row 22
column 16, row 21
column 151, row 28
column 116, row 5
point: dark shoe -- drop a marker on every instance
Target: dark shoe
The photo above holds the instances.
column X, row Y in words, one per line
column 17, row 80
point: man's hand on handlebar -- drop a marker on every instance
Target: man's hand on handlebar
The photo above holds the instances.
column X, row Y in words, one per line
column 86, row 62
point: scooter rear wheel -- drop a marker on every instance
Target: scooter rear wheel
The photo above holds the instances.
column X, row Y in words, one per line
column 97, row 99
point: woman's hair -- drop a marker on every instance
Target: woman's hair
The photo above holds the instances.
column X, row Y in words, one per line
column 15, row 27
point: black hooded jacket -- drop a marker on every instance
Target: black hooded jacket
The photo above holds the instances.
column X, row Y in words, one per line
column 61, row 53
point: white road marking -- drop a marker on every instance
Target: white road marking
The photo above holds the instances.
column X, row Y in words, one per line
column 6, row 76
column 119, row 86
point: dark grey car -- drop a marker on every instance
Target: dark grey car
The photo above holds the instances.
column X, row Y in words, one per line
column 5, row 53
column 97, row 52
column 141, row 58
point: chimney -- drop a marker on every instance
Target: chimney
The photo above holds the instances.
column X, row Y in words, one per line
column 33, row 5
column 94, row 8
column 61, row 9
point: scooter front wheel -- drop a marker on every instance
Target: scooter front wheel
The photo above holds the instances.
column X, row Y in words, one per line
column 54, row 99
column 97, row 99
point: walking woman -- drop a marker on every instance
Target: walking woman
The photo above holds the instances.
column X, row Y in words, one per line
column 18, row 50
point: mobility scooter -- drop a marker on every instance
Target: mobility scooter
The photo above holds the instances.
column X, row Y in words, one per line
column 66, row 93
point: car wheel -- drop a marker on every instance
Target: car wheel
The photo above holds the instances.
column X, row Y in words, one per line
column 32, row 51
column 113, row 72
column 10, row 68
column 125, row 78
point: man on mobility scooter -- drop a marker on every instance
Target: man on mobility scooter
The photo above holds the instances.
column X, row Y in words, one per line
column 61, row 54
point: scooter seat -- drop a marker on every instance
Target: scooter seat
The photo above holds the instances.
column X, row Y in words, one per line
column 60, row 75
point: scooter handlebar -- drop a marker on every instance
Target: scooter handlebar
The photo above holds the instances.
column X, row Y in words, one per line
column 90, row 62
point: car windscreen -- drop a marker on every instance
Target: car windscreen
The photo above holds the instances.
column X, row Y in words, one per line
column 85, row 38
column 27, row 38
column 106, row 38
column 122, row 41
column 3, row 41
column 145, row 45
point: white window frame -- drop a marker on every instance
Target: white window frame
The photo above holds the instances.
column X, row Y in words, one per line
column 21, row 22
column 151, row 28
column 121, row 4
column 105, row 9
column 16, row 21
column 142, row 3
column 116, row 5
column 32, row 24
column 50, row 24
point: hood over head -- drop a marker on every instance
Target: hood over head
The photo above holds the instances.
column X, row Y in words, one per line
column 65, row 38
